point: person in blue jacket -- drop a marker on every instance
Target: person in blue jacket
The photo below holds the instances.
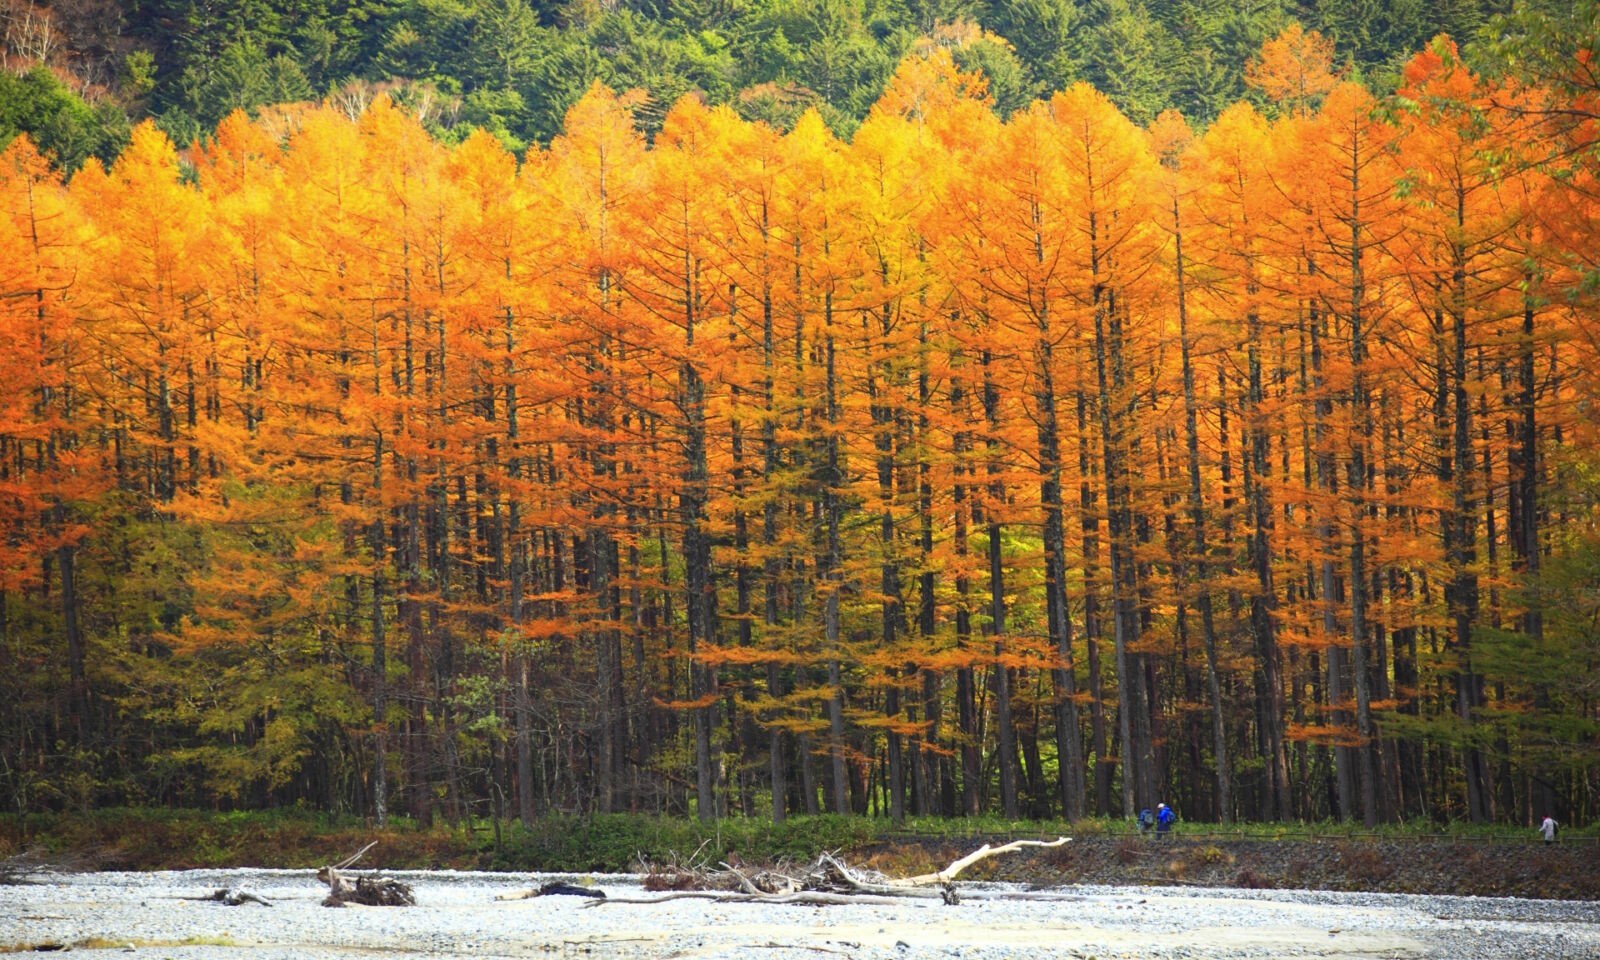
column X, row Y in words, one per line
column 1164, row 818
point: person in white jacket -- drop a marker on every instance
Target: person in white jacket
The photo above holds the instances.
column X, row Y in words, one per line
column 1548, row 829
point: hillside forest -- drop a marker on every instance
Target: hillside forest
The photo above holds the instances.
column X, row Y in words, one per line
column 1049, row 462
column 77, row 72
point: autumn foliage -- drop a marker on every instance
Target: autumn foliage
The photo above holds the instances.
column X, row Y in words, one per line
column 1043, row 464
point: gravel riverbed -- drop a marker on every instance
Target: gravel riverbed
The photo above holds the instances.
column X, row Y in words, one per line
column 146, row 915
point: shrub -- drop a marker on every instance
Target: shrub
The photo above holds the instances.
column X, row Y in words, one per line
column 1248, row 879
column 1364, row 865
column 1207, row 855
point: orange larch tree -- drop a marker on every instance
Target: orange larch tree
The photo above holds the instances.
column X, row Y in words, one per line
column 847, row 475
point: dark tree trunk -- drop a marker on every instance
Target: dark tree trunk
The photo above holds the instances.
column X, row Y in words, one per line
column 1069, row 744
column 966, row 693
column 1201, row 561
column 1262, row 602
column 998, row 675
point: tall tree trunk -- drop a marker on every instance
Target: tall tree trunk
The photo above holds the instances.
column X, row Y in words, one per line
column 999, row 676
column 515, row 575
column 697, row 579
column 1197, row 517
column 892, row 605
column 78, row 694
column 418, row 794
column 1328, row 584
column 966, row 693
column 1525, row 521
column 380, row 679
column 1462, row 551
column 924, row 762
column 1133, row 713
column 1089, row 525
column 832, row 578
column 1262, row 602
column 770, row 566
column 1357, row 490
column 1069, row 745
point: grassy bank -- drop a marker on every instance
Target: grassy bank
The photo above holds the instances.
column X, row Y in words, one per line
column 143, row 839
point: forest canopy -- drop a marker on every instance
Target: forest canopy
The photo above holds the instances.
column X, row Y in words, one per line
column 1050, row 461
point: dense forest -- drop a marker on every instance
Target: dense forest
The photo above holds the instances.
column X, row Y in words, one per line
column 1047, row 462
column 80, row 70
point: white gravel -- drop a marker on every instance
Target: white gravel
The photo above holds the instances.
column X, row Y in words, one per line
column 144, row 915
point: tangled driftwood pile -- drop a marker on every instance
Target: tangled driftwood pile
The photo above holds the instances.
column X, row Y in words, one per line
column 36, row 865
column 24, row 867
column 828, row 881
column 369, row 891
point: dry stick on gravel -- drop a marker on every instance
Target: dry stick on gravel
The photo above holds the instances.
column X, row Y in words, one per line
column 365, row 891
column 831, row 882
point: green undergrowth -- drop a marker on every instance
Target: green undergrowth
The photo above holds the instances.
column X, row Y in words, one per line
column 1114, row 827
column 620, row 842
column 153, row 839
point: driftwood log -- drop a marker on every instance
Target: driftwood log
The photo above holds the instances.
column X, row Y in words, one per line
column 232, row 897
column 368, row 891
column 552, row 889
column 982, row 853
column 806, row 897
column 828, row 882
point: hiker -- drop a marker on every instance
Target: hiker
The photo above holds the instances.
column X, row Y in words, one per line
column 1164, row 818
column 1548, row 829
column 1146, row 821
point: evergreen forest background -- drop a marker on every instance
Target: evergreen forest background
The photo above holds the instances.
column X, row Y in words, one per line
column 79, row 71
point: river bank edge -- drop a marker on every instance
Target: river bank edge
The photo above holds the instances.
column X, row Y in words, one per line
column 1482, row 863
